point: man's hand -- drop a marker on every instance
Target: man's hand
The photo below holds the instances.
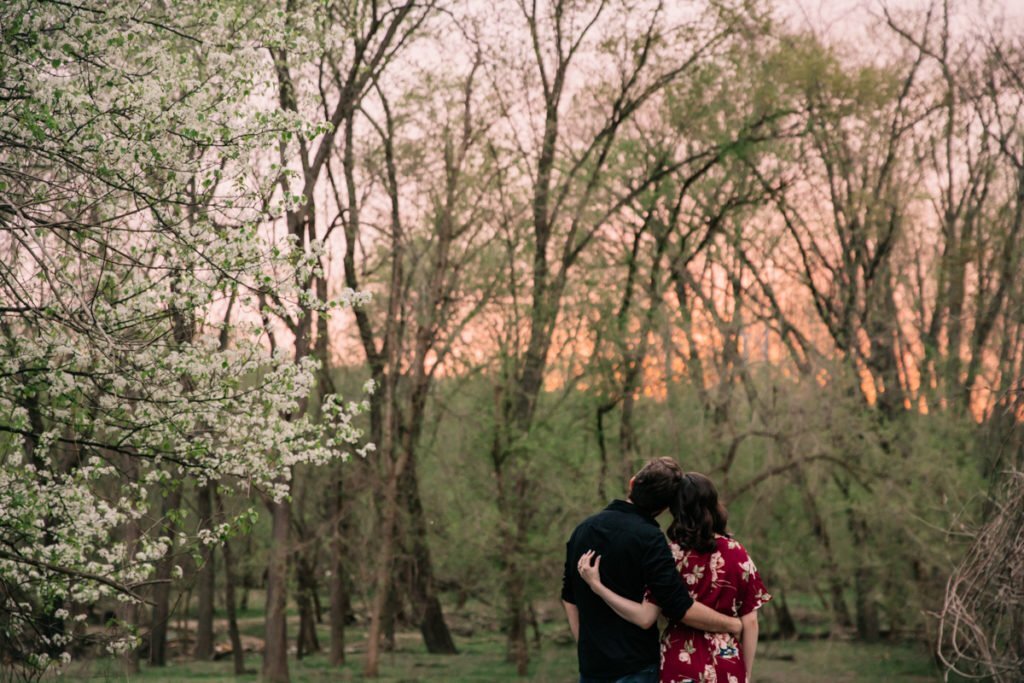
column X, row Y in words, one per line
column 737, row 631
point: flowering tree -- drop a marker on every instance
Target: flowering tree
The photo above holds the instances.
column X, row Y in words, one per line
column 130, row 223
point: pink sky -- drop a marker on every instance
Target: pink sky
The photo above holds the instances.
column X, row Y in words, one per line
column 838, row 18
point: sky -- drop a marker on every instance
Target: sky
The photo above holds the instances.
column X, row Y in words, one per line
column 839, row 17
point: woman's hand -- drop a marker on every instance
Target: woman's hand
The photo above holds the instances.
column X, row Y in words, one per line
column 589, row 567
column 643, row 614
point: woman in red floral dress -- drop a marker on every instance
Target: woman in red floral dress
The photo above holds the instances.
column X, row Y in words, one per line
column 719, row 573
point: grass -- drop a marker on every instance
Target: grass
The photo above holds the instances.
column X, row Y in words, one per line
column 481, row 659
column 843, row 662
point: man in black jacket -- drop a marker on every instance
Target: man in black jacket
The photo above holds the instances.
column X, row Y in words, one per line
column 634, row 557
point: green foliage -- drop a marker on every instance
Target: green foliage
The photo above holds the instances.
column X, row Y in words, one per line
column 908, row 506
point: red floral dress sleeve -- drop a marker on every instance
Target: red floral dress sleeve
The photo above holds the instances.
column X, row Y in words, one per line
column 750, row 593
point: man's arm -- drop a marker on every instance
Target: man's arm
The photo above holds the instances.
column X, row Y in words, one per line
column 669, row 591
column 572, row 613
column 663, row 580
column 702, row 617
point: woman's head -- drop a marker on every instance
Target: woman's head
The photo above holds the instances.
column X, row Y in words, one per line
column 697, row 514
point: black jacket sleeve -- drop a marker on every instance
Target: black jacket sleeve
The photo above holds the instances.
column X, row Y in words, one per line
column 568, row 593
column 662, row 579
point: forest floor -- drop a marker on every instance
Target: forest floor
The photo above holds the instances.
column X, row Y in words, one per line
column 481, row 659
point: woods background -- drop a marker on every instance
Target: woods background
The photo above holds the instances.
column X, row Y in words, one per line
column 559, row 238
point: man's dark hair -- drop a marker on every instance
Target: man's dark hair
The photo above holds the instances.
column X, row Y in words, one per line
column 656, row 485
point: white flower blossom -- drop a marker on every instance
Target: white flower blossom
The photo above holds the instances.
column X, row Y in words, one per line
column 127, row 362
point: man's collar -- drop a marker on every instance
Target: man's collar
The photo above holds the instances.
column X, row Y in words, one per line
column 625, row 506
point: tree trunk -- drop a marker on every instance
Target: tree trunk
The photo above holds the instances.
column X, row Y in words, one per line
column 516, row 505
column 956, row 261
column 237, row 654
column 161, row 613
column 384, row 571
column 864, row 581
column 627, row 439
column 184, row 614
column 392, row 614
column 339, row 593
column 517, row 651
column 882, row 360
column 517, row 647
column 248, row 580
column 839, row 609
column 436, row 635
column 785, row 624
column 206, row 580
column 128, row 612
column 425, row 602
column 306, row 575
column 275, row 653
column 534, row 624
column 602, row 448
column 382, row 583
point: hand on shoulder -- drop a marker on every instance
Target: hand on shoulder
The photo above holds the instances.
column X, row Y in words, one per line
column 589, row 568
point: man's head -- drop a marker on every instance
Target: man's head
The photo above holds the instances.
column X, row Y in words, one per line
column 654, row 487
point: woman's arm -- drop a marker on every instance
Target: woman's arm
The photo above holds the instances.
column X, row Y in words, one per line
column 704, row 618
column 748, row 640
column 643, row 614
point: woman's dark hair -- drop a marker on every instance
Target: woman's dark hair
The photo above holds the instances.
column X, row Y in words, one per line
column 697, row 514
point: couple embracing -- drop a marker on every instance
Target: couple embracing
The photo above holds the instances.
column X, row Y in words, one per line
column 621, row 573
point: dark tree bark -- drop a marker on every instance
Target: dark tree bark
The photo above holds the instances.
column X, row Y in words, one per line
column 836, row 585
column 305, row 570
column 205, row 580
column 423, row 591
column 785, row 625
column 237, row 653
column 338, row 611
column 161, row 613
column 275, row 654
column 248, row 580
column 864, row 583
column 882, row 359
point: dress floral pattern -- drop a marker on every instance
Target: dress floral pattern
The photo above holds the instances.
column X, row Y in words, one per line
column 725, row 580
